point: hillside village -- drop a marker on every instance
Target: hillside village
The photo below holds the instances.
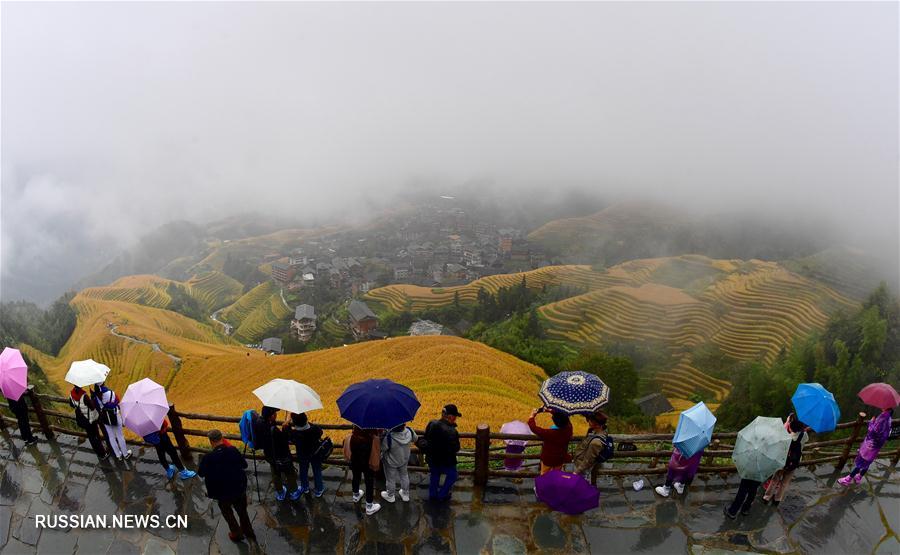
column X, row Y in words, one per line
column 321, row 279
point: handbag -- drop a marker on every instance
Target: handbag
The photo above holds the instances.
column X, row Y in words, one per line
column 375, row 455
column 346, row 448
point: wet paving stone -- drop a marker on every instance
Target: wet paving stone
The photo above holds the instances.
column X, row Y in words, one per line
column 434, row 544
column 472, row 531
column 55, row 542
column 5, row 524
column 848, row 523
column 504, row 544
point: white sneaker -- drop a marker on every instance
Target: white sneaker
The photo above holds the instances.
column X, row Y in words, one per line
column 663, row 490
column 357, row 496
column 679, row 487
column 404, row 495
column 372, row 508
column 389, row 497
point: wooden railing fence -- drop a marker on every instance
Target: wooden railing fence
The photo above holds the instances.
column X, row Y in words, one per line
column 484, row 453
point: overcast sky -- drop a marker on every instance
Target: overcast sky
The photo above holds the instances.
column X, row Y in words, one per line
column 119, row 117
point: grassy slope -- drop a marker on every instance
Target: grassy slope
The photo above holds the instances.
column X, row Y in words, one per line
column 256, row 313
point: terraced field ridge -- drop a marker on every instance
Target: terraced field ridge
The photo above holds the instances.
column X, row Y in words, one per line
column 415, row 298
column 211, row 290
column 749, row 309
column 257, row 313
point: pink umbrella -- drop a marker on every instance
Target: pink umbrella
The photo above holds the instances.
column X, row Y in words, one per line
column 881, row 395
column 514, row 446
column 144, row 406
column 13, row 374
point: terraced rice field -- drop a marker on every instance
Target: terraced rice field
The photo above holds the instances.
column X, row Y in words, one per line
column 415, row 298
column 130, row 360
column 147, row 290
column 487, row 385
column 748, row 309
column 213, row 290
column 258, row 312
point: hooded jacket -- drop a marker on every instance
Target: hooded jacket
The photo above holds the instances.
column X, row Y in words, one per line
column 395, row 447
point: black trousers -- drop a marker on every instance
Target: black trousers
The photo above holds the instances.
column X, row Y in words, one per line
column 745, row 496
column 93, row 433
column 369, row 476
column 239, row 506
column 165, row 447
column 24, row 424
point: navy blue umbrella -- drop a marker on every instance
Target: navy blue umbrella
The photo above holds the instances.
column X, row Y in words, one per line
column 574, row 392
column 378, row 404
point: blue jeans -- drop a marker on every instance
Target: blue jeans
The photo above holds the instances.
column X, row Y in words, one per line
column 304, row 473
column 436, row 492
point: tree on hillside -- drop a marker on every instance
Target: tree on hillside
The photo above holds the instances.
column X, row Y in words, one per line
column 616, row 372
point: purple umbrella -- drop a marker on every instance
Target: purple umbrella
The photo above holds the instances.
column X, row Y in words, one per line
column 144, row 407
column 514, row 446
column 566, row 492
column 13, row 374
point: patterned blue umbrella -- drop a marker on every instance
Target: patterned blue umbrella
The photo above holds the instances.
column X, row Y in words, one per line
column 574, row 392
column 379, row 404
column 816, row 407
column 694, row 431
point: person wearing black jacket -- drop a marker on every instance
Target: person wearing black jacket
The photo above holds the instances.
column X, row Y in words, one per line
column 20, row 409
column 275, row 440
column 87, row 417
column 226, row 482
column 306, row 437
column 442, row 445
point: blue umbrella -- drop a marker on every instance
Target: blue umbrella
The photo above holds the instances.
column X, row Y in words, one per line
column 574, row 392
column 816, row 407
column 694, row 431
column 378, row 404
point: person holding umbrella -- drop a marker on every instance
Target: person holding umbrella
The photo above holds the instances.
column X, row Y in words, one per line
column 87, row 417
column 441, row 444
column 275, row 440
column 164, row 447
column 760, row 449
column 13, row 383
column 692, row 435
column 226, row 482
column 779, row 483
column 307, row 437
column 364, row 451
column 885, row 397
column 680, row 472
column 108, row 403
column 555, row 439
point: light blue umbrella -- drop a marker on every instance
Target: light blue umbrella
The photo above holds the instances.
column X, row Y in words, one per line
column 815, row 406
column 761, row 448
column 694, row 431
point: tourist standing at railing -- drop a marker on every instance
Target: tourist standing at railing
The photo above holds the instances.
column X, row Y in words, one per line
column 165, row 448
column 744, row 499
column 780, row 482
column 876, row 436
column 395, row 450
column 441, row 444
column 226, row 482
column 20, row 409
column 87, row 417
column 275, row 440
column 589, row 452
column 555, row 440
column 364, row 450
column 306, row 437
column 681, row 472
column 108, row 403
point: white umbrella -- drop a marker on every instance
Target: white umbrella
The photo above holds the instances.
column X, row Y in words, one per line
column 288, row 395
column 83, row 373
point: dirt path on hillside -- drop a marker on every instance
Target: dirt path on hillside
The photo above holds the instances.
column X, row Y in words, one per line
column 155, row 346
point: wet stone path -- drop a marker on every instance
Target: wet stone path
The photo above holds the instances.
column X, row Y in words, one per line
column 64, row 478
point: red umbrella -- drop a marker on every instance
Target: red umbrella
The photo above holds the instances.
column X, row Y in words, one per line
column 881, row 395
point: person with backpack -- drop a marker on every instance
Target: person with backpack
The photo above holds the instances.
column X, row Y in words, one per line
column 440, row 445
column 87, row 417
column 20, row 409
column 877, row 434
column 680, row 473
column 555, row 439
column 108, row 403
column 307, row 438
column 363, row 450
column 275, row 441
column 164, row 447
column 395, row 449
column 595, row 448
column 223, row 471
column 779, row 483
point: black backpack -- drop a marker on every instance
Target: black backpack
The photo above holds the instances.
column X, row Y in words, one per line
column 323, row 451
column 609, row 449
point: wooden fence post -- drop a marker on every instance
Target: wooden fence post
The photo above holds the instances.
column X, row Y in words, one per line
column 183, row 446
column 655, row 459
column 860, row 422
column 39, row 411
column 482, row 454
